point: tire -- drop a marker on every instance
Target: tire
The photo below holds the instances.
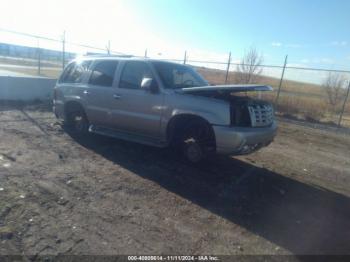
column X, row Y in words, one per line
column 77, row 122
column 196, row 142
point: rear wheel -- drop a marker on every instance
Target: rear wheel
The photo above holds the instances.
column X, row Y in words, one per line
column 77, row 121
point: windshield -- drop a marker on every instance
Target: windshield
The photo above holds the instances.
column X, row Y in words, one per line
column 178, row 76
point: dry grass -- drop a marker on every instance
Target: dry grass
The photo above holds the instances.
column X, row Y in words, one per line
column 216, row 76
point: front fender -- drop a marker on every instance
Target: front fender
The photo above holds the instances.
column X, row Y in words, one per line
column 211, row 117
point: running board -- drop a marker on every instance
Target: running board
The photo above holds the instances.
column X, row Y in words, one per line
column 126, row 136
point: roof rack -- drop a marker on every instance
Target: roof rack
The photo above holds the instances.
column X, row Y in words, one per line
column 107, row 55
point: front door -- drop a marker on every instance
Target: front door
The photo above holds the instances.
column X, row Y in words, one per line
column 135, row 110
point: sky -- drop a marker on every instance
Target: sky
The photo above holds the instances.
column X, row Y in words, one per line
column 314, row 33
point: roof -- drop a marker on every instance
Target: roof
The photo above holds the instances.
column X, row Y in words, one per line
column 122, row 57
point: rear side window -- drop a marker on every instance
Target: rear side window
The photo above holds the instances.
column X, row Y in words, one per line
column 133, row 74
column 103, row 73
column 74, row 72
column 66, row 72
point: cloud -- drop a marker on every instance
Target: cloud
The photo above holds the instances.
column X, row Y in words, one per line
column 294, row 45
column 339, row 43
column 296, row 65
column 319, row 60
column 326, row 60
column 276, row 44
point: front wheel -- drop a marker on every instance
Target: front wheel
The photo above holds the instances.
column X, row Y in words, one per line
column 193, row 152
column 197, row 142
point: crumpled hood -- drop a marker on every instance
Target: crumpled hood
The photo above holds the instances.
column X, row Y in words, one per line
column 225, row 89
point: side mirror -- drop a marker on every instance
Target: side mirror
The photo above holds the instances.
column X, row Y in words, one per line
column 149, row 84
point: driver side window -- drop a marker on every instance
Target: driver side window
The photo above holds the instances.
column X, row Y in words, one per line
column 181, row 78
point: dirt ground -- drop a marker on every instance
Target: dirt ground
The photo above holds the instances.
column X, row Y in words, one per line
column 103, row 196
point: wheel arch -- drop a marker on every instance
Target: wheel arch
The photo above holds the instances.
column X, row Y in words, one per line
column 178, row 122
column 72, row 105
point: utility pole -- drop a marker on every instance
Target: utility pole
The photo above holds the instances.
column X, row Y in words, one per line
column 280, row 85
column 342, row 111
column 185, row 57
column 228, row 67
column 146, row 53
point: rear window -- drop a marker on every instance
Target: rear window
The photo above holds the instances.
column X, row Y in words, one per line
column 75, row 71
column 103, row 73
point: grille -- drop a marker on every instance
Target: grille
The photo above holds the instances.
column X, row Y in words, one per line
column 261, row 115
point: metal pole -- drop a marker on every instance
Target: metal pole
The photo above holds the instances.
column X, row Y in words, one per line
column 39, row 61
column 63, row 49
column 228, row 67
column 146, row 53
column 342, row 111
column 185, row 57
column 39, row 56
column 280, row 85
column 109, row 47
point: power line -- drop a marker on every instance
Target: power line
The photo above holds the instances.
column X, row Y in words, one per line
column 177, row 60
column 58, row 40
column 30, row 35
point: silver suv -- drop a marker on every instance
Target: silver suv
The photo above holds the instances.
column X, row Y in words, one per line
column 162, row 104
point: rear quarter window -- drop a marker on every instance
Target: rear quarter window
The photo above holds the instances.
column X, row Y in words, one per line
column 74, row 72
column 66, row 72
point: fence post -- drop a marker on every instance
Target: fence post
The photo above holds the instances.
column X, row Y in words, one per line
column 343, row 109
column 185, row 57
column 38, row 51
column 228, row 67
column 281, row 81
column 39, row 61
column 109, row 47
column 146, row 53
column 63, row 49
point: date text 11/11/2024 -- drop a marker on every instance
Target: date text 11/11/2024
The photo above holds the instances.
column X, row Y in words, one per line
column 173, row 258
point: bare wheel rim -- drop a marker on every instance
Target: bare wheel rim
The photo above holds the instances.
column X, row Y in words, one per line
column 193, row 151
column 78, row 121
column 195, row 142
column 200, row 135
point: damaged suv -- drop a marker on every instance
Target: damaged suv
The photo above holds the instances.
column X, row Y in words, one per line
column 162, row 104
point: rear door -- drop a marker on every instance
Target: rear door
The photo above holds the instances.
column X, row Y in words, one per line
column 71, row 84
column 99, row 92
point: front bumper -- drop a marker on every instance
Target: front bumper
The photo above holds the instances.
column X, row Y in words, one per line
column 243, row 140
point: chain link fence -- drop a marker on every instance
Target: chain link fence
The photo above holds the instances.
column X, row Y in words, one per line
column 299, row 92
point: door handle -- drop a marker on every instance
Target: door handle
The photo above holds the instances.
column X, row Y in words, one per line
column 86, row 92
column 117, row 96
